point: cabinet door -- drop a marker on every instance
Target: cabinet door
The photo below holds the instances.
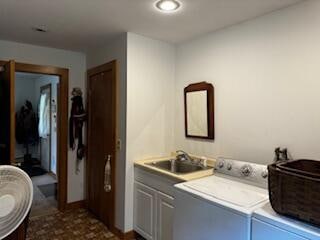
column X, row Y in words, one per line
column 164, row 216
column 265, row 231
column 145, row 211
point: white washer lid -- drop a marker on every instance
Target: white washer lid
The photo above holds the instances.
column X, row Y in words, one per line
column 229, row 193
column 16, row 194
column 242, row 197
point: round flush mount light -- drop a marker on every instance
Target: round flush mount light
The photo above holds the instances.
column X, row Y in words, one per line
column 168, row 6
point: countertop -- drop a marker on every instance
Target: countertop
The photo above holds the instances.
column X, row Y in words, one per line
column 182, row 177
column 268, row 215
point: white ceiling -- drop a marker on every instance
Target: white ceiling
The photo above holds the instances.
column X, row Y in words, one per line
column 84, row 24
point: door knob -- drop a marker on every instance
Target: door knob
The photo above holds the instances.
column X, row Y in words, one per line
column 107, row 174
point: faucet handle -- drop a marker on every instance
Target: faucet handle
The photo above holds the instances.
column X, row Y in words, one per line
column 277, row 154
column 203, row 161
column 284, row 153
column 180, row 152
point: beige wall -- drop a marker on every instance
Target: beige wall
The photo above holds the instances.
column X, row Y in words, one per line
column 266, row 77
column 76, row 63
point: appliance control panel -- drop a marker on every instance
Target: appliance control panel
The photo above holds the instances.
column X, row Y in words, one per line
column 252, row 172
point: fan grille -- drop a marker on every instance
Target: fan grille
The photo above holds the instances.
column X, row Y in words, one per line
column 16, row 193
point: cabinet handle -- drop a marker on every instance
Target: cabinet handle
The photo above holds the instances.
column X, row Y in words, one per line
column 107, row 174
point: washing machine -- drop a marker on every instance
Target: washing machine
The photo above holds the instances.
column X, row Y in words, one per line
column 220, row 207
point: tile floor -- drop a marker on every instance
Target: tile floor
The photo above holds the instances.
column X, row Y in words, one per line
column 41, row 204
column 74, row 224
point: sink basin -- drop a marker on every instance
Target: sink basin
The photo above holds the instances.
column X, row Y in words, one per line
column 178, row 167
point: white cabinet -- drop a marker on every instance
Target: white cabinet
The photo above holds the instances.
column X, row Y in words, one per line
column 153, row 213
column 265, row 231
column 144, row 211
column 153, row 206
column 164, row 216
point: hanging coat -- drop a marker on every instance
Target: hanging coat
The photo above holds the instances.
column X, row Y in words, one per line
column 76, row 121
column 26, row 125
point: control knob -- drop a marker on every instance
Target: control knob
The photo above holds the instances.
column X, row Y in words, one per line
column 229, row 166
column 246, row 170
column 264, row 174
column 220, row 164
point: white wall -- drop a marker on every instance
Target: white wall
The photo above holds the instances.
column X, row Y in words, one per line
column 24, row 90
column 266, row 77
column 150, row 108
column 266, row 92
column 76, row 63
column 147, row 70
column 116, row 49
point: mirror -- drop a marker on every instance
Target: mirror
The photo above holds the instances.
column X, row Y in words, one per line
column 199, row 110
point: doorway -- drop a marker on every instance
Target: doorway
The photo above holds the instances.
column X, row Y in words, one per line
column 9, row 151
column 36, row 136
column 101, row 156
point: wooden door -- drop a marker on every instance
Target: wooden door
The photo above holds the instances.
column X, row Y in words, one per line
column 7, row 116
column 101, row 140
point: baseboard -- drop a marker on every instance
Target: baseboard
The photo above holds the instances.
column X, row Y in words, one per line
column 76, row 205
column 130, row 235
column 124, row 236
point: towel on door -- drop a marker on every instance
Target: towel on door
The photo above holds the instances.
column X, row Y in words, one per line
column 44, row 115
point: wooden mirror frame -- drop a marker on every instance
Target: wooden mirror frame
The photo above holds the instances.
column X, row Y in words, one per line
column 201, row 86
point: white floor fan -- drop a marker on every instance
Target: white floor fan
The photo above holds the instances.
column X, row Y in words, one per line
column 16, row 194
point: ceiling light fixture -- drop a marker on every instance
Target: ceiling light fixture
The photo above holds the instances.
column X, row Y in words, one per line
column 168, row 5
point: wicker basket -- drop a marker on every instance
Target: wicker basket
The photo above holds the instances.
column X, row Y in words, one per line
column 294, row 189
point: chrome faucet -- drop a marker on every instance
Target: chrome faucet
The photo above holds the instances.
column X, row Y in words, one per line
column 280, row 154
column 183, row 156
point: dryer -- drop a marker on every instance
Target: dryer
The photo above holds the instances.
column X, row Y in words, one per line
column 267, row 224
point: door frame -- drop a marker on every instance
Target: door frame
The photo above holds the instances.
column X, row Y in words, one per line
column 12, row 123
column 62, row 123
column 43, row 88
column 110, row 66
